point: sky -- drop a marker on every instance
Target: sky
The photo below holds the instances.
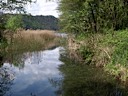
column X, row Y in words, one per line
column 43, row 7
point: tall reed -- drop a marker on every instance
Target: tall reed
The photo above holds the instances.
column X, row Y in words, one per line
column 31, row 40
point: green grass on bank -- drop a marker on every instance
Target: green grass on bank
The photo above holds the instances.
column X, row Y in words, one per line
column 107, row 51
column 120, row 43
column 118, row 64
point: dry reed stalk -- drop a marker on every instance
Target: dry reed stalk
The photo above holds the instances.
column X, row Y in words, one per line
column 34, row 33
column 32, row 39
column 73, row 47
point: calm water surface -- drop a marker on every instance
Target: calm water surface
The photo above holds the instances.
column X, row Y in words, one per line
column 33, row 76
column 49, row 73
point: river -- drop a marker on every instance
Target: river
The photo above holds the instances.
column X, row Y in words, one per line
column 51, row 73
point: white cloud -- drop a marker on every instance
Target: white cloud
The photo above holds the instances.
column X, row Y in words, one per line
column 43, row 7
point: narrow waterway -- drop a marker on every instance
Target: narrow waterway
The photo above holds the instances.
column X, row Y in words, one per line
column 51, row 73
column 32, row 75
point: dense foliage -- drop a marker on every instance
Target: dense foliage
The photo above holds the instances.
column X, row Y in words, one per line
column 14, row 22
column 82, row 16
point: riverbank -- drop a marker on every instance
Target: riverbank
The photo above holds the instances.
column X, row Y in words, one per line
column 103, row 50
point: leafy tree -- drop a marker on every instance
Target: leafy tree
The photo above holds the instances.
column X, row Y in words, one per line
column 14, row 22
column 11, row 5
column 82, row 16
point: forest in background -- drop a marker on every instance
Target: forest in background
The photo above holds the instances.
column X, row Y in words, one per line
column 37, row 22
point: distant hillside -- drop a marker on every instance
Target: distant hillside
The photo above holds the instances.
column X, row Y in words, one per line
column 40, row 22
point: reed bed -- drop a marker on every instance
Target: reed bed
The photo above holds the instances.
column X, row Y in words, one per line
column 32, row 40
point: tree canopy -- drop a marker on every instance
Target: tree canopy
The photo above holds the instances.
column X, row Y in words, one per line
column 14, row 22
column 93, row 15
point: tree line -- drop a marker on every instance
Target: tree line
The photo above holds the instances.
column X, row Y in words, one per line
column 40, row 22
column 35, row 22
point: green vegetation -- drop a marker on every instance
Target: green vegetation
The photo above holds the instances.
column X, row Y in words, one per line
column 89, row 54
column 14, row 23
column 107, row 51
column 83, row 16
column 9, row 5
column 36, row 22
column 119, row 42
column 40, row 22
column 2, row 28
column 100, row 29
column 118, row 64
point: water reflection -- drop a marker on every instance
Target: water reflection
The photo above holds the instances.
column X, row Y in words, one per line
column 6, row 78
column 33, row 73
column 44, row 74
column 83, row 80
column 1, row 60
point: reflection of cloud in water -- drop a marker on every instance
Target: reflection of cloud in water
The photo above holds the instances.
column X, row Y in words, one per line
column 39, row 67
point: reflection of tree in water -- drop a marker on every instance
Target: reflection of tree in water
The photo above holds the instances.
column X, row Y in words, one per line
column 1, row 60
column 83, row 80
column 6, row 78
column 35, row 57
column 13, row 58
column 57, row 83
column 18, row 60
column 6, row 75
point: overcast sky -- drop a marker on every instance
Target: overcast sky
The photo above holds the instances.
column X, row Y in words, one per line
column 42, row 7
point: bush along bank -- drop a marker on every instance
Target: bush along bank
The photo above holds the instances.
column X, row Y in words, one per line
column 118, row 64
column 103, row 50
